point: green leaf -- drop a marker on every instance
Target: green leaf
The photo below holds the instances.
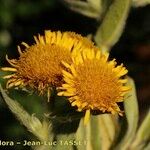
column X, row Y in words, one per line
column 147, row 147
column 113, row 24
column 98, row 134
column 108, row 130
column 65, row 142
column 96, row 4
column 140, row 3
column 83, row 8
column 95, row 133
column 143, row 133
column 32, row 123
column 84, row 135
column 132, row 113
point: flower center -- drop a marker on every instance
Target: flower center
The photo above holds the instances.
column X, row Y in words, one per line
column 42, row 62
column 96, row 83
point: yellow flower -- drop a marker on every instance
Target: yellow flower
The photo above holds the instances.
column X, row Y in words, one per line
column 39, row 65
column 94, row 83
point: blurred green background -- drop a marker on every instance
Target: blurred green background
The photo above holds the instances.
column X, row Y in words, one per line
column 21, row 19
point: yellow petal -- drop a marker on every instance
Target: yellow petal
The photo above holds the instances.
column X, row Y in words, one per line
column 17, row 83
column 79, row 58
column 60, row 93
column 9, row 69
column 73, row 71
column 8, row 76
column 65, row 64
column 74, row 103
column 122, row 72
column 48, row 94
column 68, row 94
column 53, row 40
column 79, row 109
column 67, row 74
column 41, row 39
column 90, row 54
column 10, row 85
column 58, row 37
column 65, row 86
column 36, row 39
column 98, row 54
column 123, row 80
column 126, row 88
column 71, row 90
column 47, row 36
column 105, row 56
column 87, row 116
column 25, row 44
column 11, row 62
column 84, row 54
column 19, row 50
column 84, row 104
column 69, row 81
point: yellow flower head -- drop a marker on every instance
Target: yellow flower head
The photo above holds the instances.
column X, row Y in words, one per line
column 39, row 65
column 94, row 83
